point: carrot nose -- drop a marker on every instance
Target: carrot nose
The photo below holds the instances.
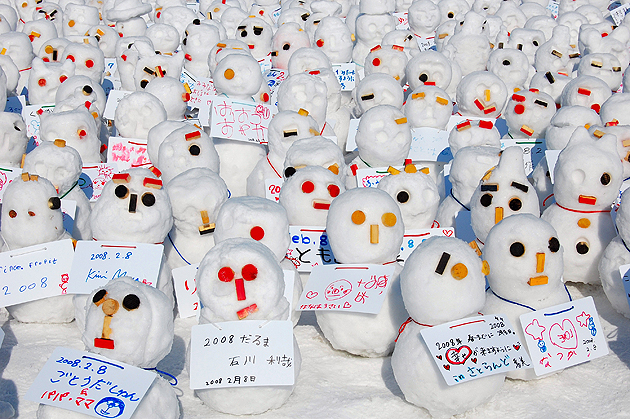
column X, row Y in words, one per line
column 374, row 233
column 498, row 214
column 540, row 262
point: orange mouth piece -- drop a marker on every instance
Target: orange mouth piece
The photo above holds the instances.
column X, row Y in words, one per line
column 538, row 280
column 588, row 200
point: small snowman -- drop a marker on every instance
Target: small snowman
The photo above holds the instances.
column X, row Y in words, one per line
column 365, row 225
column 315, row 151
column 199, row 40
column 434, row 69
column 434, row 293
column 288, row 38
column 13, row 140
column 137, row 113
column 334, row 39
column 260, row 298
column 588, row 91
column 45, row 78
column 304, row 91
column 526, row 40
column 613, row 111
column 604, row 66
column 471, row 133
column 588, row 175
column 564, row 123
column 173, row 95
column 132, row 323
column 377, row 89
column 392, row 61
column 550, row 82
column 31, row 214
column 428, row 106
column 481, row 94
column 512, row 67
column 525, row 260
column 469, row 47
column 528, row 114
column 238, row 77
column 77, row 128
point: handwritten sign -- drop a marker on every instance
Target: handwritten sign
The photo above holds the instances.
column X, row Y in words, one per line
column 619, row 13
column 475, row 347
column 309, row 247
column 31, row 115
column 203, row 90
column 7, row 174
column 245, row 353
column 425, row 44
column 346, row 74
column 553, row 7
column 430, row 144
column 94, row 178
column 265, row 63
column 35, row 272
column 276, row 14
column 111, row 66
column 239, row 120
column 98, row 262
column 369, row 177
column 533, row 151
column 564, row 335
column 348, row 287
column 90, row 384
column 273, row 188
column 274, row 77
column 403, row 21
column 113, row 99
column 128, row 152
column 413, row 238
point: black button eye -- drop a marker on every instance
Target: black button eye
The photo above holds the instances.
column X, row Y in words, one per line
column 148, row 199
column 121, row 191
column 131, row 302
column 605, row 179
column 286, row 47
column 54, row 203
column 423, row 77
column 402, row 197
column 554, row 244
column 517, row 249
column 17, row 128
column 486, row 200
column 515, row 204
column 289, row 171
column 506, row 62
column 535, row 43
column 450, row 15
column 582, row 248
column 144, row 83
column 243, row 34
column 99, row 296
column 194, row 150
column 184, row 41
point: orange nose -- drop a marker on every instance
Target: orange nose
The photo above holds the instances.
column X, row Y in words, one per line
column 374, row 233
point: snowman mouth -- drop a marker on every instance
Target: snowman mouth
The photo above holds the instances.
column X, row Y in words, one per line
column 321, row 204
column 586, row 199
column 251, row 46
column 538, row 280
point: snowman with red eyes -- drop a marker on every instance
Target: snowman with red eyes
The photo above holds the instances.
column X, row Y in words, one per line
column 239, row 280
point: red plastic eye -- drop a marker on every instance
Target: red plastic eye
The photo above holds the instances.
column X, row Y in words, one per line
column 265, row 97
column 226, row 274
column 41, row 82
column 89, row 63
column 308, row 187
column 376, row 62
column 320, row 43
column 257, row 233
column 82, row 133
column 249, row 272
column 70, row 57
column 63, row 78
column 333, row 190
column 46, row 59
column 31, row 213
column 596, row 107
column 12, row 214
column 519, row 109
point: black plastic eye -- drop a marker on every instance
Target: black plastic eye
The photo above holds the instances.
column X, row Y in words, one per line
column 486, row 200
column 99, row 296
column 554, row 244
column 506, row 62
column 243, row 34
column 515, row 204
column 450, row 15
column 121, row 191
column 196, row 22
column 535, row 43
column 17, row 128
column 54, row 203
column 194, row 150
column 582, row 248
column 286, row 47
column 131, row 302
column 87, row 89
column 148, row 199
column 517, row 249
column 402, row 197
column 605, row 179
column 423, row 77
column 144, row 83
column 184, row 41
column 289, row 171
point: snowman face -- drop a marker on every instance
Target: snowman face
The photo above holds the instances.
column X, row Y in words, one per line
column 172, row 94
column 442, row 281
column 424, row 17
column 526, row 41
column 308, row 193
column 78, row 19
column 492, row 28
column 194, row 215
column 449, row 9
column 81, row 90
column 303, row 91
column 106, row 38
column 39, row 32
column 429, row 67
column 528, row 114
column 165, row 38
column 137, row 113
column 198, row 41
column 622, row 132
column 552, row 83
column 61, row 165
column 77, row 128
column 553, row 56
column 254, row 218
column 13, row 139
column 123, row 316
column 525, row 259
column 88, row 60
column 371, row 28
column 511, row 66
column 132, row 207
column 565, row 121
column 428, row 106
column 314, row 151
column 378, row 89
column 31, row 213
column 402, row 38
column 417, row 196
column 384, row 136
column 472, row 134
column 333, row 38
column 286, row 127
column 231, row 19
column 364, row 225
column 25, row 9
column 542, row 23
column 294, row 14
column 146, row 69
column 615, row 109
column 469, row 165
column 603, row 66
column 18, row 47
column 390, row 61
column 590, row 92
column 237, row 76
column 257, row 34
column 177, row 16
column 44, row 79
column 306, row 59
column 481, row 94
column 573, row 21
column 223, row 49
column 52, row 51
column 288, row 38
column 185, row 148
column 133, row 27
column 240, row 279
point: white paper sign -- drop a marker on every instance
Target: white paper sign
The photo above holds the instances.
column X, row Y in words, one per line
column 90, row 384
column 624, row 272
column 430, row 144
column 7, row 174
column 31, row 115
column 128, row 153
column 564, row 335
column 110, row 67
column 403, row 21
column 351, row 287
column 239, row 120
column 113, row 99
column 475, row 347
column 553, row 6
column 94, row 178
column 426, row 43
column 309, row 247
column 272, row 188
column 246, row 353
column 533, row 151
column 552, row 159
column 35, row 272
column 69, row 210
column 98, row 262
column 346, row 74
column 186, row 290
column 187, row 77
column 413, row 238
column 619, row 13
column 202, row 91
column 274, row 78
column 265, row 63
column 371, row 176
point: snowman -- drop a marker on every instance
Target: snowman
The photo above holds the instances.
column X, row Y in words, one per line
column 287, row 39
column 13, row 141
column 137, row 113
column 528, row 114
column 315, row 151
column 428, row 106
column 434, row 293
column 564, row 123
column 377, row 89
column 45, row 78
column 526, row 40
column 79, row 91
column 77, row 128
column 604, row 66
column 613, row 111
column 512, row 67
column 588, row 91
column 334, row 39
column 173, row 95
column 472, row 133
column 551, row 82
column 481, row 94
column 392, row 61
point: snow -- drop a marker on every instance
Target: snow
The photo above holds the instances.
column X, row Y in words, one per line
column 336, row 384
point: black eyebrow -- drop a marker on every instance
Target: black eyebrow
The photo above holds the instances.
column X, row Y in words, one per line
column 491, row 187
column 519, row 186
column 441, row 266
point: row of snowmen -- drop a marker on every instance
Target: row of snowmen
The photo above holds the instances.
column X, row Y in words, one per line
column 549, row 78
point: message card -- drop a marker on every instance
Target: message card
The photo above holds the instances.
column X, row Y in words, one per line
column 413, row 238
column 94, row 178
column 240, row 121
column 128, row 152
column 309, row 247
column 7, row 174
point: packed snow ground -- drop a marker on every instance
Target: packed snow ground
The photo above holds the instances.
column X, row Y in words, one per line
column 334, row 384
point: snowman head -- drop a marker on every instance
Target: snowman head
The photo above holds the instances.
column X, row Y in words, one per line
column 88, row 60
column 304, row 91
column 378, row 89
column 429, row 67
column 80, row 91
column 511, row 66
column 172, row 94
column 137, row 113
column 468, row 167
column 130, row 322
column 314, row 151
column 77, row 128
column 334, row 39
column 565, row 121
column 387, row 60
column 471, row 133
column 482, row 94
column 429, row 106
column 528, row 114
column 603, row 66
column 286, row 127
column 588, row 91
column 383, row 137
column 60, row 164
column 287, row 39
column 13, row 140
column 45, row 78
column 185, row 148
column 237, row 76
column 257, row 34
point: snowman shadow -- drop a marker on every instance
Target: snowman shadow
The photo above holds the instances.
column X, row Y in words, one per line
column 174, row 363
column 387, row 373
column 8, row 389
column 618, row 338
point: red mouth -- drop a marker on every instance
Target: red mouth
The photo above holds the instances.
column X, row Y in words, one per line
column 321, row 206
column 103, row 343
column 588, row 200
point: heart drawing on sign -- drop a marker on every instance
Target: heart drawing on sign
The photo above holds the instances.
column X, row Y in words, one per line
column 439, row 357
column 447, row 233
column 564, row 336
column 447, row 367
column 347, row 305
column 458, row 356
column 474, row 360
column 311, row 294
column 517, row 347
